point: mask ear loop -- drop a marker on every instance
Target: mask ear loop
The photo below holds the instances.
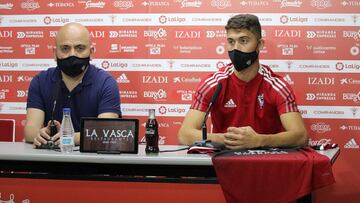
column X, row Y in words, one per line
column 84, row 68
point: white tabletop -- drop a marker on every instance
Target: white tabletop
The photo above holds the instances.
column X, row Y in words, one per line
column 20, row 151
column 24, row 152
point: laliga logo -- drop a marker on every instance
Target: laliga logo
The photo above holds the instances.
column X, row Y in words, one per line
column 220, row 64
column 162, row 110
column 339, row 66
column 284, row 19
column 105, row 64
column 47, row 20
column 162, row 19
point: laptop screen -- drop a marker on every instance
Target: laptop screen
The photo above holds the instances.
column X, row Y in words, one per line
column 109, row 135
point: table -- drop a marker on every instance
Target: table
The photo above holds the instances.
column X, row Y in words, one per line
column 19, row 157
column 174, row 176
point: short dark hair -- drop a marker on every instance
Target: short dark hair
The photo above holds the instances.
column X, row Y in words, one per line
column 245, row 21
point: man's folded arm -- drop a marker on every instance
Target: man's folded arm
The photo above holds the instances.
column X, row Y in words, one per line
column 295, row 133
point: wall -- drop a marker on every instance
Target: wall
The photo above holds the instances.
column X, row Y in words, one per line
column 159, row 50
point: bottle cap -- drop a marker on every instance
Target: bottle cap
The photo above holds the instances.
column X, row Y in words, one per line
column 66, row 110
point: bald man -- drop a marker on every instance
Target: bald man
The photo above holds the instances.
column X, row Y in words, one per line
column 73, row 83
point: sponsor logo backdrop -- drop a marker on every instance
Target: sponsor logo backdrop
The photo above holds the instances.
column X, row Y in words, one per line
column 159, row 50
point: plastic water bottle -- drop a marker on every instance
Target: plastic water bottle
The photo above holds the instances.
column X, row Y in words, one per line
column 151, row 133
column 67, row 132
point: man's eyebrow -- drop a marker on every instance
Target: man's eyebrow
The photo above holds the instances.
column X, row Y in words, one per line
column 68, row 45
column 243, row 37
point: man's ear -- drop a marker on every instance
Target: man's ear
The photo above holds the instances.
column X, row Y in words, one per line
column 261, row 44
column 92, row 51
column 54, row 52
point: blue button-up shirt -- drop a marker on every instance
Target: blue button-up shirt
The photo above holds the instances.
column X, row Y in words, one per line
column 97, row 93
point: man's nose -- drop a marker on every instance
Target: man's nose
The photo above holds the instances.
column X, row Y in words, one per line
column 73, row 52
column 237, row 45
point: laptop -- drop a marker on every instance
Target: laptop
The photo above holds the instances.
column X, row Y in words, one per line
column 109, row 135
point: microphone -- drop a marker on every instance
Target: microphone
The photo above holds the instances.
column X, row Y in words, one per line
column 212, row 101
column 53, row 129
column 205, row 145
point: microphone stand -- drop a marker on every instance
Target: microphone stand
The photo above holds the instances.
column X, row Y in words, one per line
column 205, row 142
column 53, row 130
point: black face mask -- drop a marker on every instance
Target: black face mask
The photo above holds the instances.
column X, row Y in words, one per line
column 72, row 65
column 242, row 60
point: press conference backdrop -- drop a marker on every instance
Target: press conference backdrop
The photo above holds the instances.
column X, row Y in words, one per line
column 159, row 50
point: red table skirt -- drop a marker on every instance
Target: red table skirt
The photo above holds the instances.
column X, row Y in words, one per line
column 271, row 175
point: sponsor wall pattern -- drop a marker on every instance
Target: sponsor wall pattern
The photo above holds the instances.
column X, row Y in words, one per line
column 159, row 50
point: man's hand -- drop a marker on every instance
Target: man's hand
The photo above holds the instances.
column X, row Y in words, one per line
column 44, row 135
column 241, row 138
